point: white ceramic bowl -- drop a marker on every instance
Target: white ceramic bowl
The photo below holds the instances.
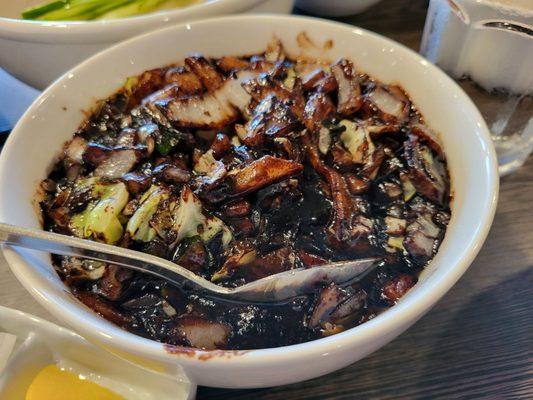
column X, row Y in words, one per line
column 38, row 52
column 335, row 8
column 37, row 139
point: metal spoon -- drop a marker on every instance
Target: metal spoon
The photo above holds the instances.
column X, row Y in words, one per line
column 276, row 287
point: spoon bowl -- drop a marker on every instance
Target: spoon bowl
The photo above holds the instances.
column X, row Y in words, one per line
column 277, row 287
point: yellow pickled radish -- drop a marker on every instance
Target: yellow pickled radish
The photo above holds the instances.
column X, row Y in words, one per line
column 52, row 383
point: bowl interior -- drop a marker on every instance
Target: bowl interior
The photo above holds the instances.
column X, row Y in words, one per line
column 36, row 141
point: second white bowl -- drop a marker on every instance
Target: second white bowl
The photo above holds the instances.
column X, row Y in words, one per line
column 38, row 52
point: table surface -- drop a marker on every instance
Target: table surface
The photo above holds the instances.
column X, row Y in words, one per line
column 476, row 343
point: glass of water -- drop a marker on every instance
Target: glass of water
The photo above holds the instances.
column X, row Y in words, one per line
column 487, row 46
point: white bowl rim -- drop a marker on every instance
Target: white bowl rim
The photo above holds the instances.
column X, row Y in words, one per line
column 391, row 319
column 99, row 30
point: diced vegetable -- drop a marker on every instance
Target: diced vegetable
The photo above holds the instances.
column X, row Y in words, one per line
column 130, row 84
column 324, row 140
column 189, row 220
column 167, row 140
column 396, row 242
column 207, row 165
column 356, row 140
column 408, row 189
column 290, row 79
column 139, row 224
column 100, row 219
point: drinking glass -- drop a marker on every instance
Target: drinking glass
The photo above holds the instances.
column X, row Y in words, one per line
column 487, row 46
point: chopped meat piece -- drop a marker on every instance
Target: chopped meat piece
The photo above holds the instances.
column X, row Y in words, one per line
column 355, row 184
column 209, row 76
column 137, row 182
column 239, row 208
column 187, row 83
column 371, row 168
column 349, row 94
column 220, row 145
column 260, row 173
column 328, row 300
column 112, row 284
column 147, row 83
column 104, row 308
column 336, row 306
column 395, row 226
column 319, row 108
column 265, row 85
column 272, row 117
column 282, row 259
column 426, row 173
column 397, row 287
column 95, row 154
column 202, row 333
column 229, row 64
column 309, row 259
column 172, row 174
column 195, row 257
column 310, row 80
column 428, row 136
column 242, row 255
column 341, row 158
column 319, row 80
column 242, row 227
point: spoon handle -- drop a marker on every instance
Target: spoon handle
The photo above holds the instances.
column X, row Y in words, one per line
column 71, row 246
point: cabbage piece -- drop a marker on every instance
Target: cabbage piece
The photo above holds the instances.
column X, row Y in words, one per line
column 395, row 242
column 356, row 139
column 189, row 220
column 208, row 166
column 139, row 224
column 100, row 219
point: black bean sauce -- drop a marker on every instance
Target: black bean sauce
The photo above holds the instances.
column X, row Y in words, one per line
column 320, row 164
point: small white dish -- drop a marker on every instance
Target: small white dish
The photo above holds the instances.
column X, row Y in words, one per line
column 33, row 145
column 38, row 52
column 40, row 343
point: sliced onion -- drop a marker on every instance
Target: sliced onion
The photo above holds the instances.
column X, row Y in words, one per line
column 75, row 149
column 209, row 111
column 117, row 164
column 391, row 105
column 324, row 140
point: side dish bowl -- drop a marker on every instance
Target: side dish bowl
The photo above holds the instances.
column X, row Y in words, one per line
column 36, row 141
column 37, row 52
